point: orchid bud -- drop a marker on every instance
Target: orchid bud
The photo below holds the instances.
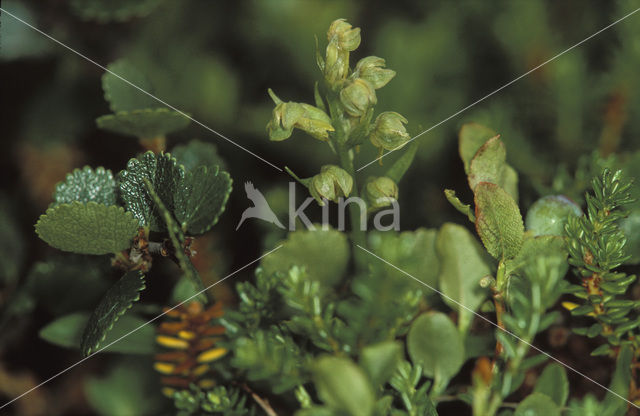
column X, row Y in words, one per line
column 380, row 192
column 372, row 69
column 347, row 38
column 331, row 183
column 357, row 97
column 290, row 115
column 336, row 65
column 389, row 132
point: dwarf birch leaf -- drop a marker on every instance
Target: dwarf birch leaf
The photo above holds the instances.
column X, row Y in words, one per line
column 197, row 153
column 86, row 184
column 498, row 221
column 164, row 175
column 200, row 198
column 509, row 181
column 123, row 96
column 344, row 386
column 554, row 383
column 471, row 137
column 118, row 299
column 435, row 344
column 67, row 330
column 146, row 124
column 488, row 164
column 89, row 228
column 463, row 263
column 537, row 404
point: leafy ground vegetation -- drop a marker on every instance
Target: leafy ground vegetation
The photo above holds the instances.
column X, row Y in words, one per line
column 131, row 283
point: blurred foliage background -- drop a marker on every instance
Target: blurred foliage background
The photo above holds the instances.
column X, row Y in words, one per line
column 215, row 60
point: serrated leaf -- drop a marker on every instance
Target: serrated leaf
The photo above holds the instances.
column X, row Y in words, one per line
column 498, row 221
column 323, row 253
column 343, row 386
column 463, row 263
column 197, row 153
column 112, row 10
column 66, row 331
column 411, row 251
column 201, row 198
column 144, row 124
column 435, row 344
column 537, row 404
column 86, row 185
column 118, row 299
column 89, row 228
column 554, row 383
column 165, row 176
column 471, row 137
column 488, row 164
column 123, row 96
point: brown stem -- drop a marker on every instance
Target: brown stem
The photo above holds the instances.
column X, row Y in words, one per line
column 155, row 144
column 263, row 403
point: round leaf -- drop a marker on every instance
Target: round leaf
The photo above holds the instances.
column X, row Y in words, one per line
column 537, row 404
column 85, row 185
column 89, row 228
column 435, row 343
column 145, row 124
column 344, row 386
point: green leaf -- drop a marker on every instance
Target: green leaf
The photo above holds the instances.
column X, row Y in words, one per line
column 400, row 166
column 612, row 404
column 165, row 176
column 343, row 386
column 435, row 344
column 553, row 382
column 380, row 361
column 201, row 198
column 89, row 228
column 498, row 221
column 197, row 153
column 537, row 247
column 537, row 404
column 86, row 185
column 463, row 263
column 120, row 391
column 323, row 253
column 411, row 251
column 118, row 299
column 123, row 96
column 144, row 124
column 471, row 137
column 112, row 10
column 66, row 331
column 459, row 205
column 488, row 163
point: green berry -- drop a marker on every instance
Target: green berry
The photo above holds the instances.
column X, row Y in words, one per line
column 548, row 215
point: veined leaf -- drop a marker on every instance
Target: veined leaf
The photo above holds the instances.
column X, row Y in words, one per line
column 164, row 175
column 145, row 124
column 498, row 221
column 197, row 153
column 488, row 164
column 463, row 263
column 66, row 332
column 201, row 198
column 115, row 303
column 89, row 228
column 123, row 96
column 85, row 185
